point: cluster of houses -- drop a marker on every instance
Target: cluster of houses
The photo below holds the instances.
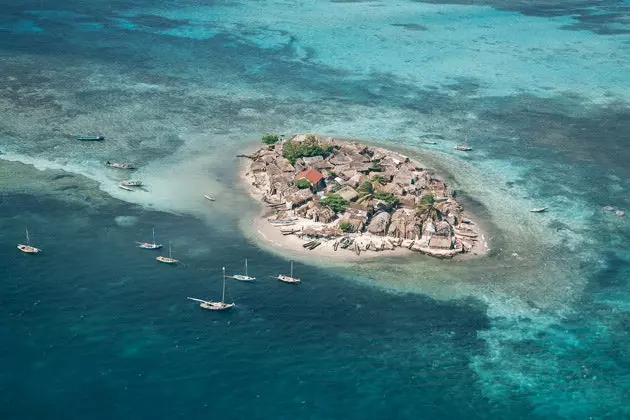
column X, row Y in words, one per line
column 438, row 228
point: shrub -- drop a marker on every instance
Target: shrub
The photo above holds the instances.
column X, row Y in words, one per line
column 335, row 202
column 427, row 200
column 346, row 226
column 295, row 150
column 387, row 197
column 270, row 138
column 302, row 183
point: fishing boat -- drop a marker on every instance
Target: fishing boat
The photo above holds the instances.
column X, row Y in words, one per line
column 146, row 245
column 169, row 259
column 28, row 248
column 243, row 277
column 124, row 187
column 538, row 210
column 89, row 138
column 119, row 165
column 289, row 279
column 429, row 142
column 130, row 183
column 208, row 197
column 215, row 306
column 282, row 222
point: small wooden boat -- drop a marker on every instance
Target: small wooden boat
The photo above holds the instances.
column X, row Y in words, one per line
column 146, row 245
column 289, row 279
column 208, row 197
column 89, row 138
column 28, row 248
column 215, row 306
column 169, row 259
column 124, row 187
column 119, row 165
column 429, row 142
column 538, row 210
column 130, row 183
column 282, row 222
column 243, row 277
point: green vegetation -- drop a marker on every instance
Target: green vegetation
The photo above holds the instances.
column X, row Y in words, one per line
column 308, row 148
column 335, row 202
column 366, row 191
column 346, row 226
column 426, row 208
column 379, row 179
column 270, row 138
column 387, row 197
column 302, row 183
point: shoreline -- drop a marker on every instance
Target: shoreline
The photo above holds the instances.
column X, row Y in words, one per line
column 272, row 236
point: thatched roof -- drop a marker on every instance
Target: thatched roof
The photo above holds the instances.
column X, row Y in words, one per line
column 379, row 223
column 300, row 197
column 440, row 242
column 320, row 214
column 348, row 193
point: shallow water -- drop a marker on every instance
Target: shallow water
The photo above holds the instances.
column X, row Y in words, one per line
column 97, row 327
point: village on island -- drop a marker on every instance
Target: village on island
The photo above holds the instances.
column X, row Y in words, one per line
column 354, row 198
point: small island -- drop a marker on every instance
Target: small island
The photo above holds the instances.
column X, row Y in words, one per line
column 352, row 198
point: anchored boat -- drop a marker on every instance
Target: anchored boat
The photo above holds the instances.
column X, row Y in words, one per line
column 28, row 248
column 124, row 187
column 119, row 165
column 146, row 245
column 130, row 183
column 215, row 306
column 243, row 277
column 539, row 210
column 289, row 279
column 169, row 259
column 89, row 138
column 208, row 197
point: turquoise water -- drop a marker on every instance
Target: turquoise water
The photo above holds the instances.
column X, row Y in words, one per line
column 95, row 327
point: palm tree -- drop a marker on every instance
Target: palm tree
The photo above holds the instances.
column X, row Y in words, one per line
column 427, row 209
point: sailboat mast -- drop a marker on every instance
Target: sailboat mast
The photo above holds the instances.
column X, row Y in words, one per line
column 153, row 236
column 291, row 269
column 170, row 253
column 245, row 266
column 28, row 240
column 223, row 295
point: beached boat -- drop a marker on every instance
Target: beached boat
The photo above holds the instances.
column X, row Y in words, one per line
column 538, row 210
column 130, row 183
column 243, row 277
column 89, row 138
column 146, row 245
column 119, row 165
column 215, row 306
column 169, row 259
column 289, row 279
column 282, row 222
column 208, row 197
column 124, row 187
column 28, row 248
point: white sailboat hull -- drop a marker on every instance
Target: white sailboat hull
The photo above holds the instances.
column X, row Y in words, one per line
column 28, row 249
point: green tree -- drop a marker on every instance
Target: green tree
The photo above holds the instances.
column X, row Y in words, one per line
column 335, row 202
column 387, row 197
column 295, row 150
column 426, row 208
column 366, row 191
column 302, row 183
column 270, row 138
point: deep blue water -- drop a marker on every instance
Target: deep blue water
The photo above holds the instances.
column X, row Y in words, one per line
column 94, row 327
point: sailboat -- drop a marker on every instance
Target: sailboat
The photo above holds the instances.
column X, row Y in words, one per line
column 288, row 279
column 169, row 259
column 215, row 306
column 243, row 277
column 146, row 245
column 465, row 147
column 28, row 248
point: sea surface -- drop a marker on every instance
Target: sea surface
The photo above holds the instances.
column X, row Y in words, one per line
column 94, row 327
